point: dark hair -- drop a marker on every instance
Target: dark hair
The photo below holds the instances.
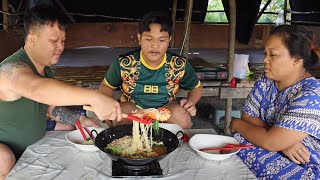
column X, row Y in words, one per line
column 156, row 17
column 299, row 42
column 41, row 15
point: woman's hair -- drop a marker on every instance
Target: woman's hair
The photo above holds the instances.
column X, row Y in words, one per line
column 300, row 43
column 41, row 15
column 156, row 17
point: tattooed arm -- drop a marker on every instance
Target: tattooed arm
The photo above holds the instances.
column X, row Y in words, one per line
column 21, row 81
column 7, row 71
column 63, row 114
column 66, row 116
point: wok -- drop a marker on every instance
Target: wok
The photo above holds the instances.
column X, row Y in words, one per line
column 105, row 137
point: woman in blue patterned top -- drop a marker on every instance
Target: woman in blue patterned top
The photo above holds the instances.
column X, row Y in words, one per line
column 281, row 116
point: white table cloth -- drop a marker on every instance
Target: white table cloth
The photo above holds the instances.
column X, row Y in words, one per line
column 53, row 157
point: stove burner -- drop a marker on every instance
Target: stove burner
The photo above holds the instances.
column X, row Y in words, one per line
column 123, row 169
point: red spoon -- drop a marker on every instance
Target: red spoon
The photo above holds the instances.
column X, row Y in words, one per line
column 80, row 129
column 228, row 147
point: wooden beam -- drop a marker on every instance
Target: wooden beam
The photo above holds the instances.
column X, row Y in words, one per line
column 262, row 10
column 231, row 47
column 234, row 93
column 65, row 11
column 18, row 10
column 187, row 22
column 285, row 11
column 5, row 8
column 173, row 18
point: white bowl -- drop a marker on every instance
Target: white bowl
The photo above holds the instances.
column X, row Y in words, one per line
column 174, row 128
column 75, row 138
column 200, row 141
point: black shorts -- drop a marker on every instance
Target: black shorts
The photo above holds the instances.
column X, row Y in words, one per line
column 51, row 124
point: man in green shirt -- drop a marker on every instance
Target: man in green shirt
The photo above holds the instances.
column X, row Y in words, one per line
column 152, row 76
column 28, row 92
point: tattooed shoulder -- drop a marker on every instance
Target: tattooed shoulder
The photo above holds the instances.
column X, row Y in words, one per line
column 9, row 68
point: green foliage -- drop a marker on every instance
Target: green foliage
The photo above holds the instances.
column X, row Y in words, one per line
column 215, row 16
column 220, row 17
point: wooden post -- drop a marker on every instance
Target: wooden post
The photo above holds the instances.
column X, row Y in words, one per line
column 5, row 8
column 231, row 47
column 187, row 22
column 173, row 17
column 285, row 11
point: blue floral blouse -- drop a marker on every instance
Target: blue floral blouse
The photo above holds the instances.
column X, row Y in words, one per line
column 297, row 108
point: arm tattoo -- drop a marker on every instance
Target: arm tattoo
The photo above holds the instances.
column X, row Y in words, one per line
column 8, row 68
column 65, row 115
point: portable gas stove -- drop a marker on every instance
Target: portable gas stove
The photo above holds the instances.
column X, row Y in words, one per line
column 123, row 169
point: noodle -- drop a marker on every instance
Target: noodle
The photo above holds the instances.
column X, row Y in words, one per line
column 140, row 139
column 139, row 144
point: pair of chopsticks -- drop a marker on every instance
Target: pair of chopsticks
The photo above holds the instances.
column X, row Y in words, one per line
column 81, row 130
column 228, row 147
column 143, row 119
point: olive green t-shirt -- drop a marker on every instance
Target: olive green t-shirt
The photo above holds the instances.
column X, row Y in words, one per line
column 23, row 121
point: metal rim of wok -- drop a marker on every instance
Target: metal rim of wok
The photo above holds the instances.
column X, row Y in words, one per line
column 105, row 137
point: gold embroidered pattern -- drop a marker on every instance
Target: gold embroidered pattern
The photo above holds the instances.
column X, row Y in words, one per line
column 130, row 74
column 175, row 71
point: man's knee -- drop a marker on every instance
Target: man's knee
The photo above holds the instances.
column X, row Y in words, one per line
column 128, row 107
column 180, row 116
column 7, row 161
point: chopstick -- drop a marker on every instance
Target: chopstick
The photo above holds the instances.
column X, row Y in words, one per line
column 80, row 129
column 143, row 119
column 87, row 130
column 228, row 147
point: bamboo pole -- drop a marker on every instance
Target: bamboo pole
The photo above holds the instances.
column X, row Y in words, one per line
column 5, row 8
column 231, row 49
column 173, row 17
column 187, row 22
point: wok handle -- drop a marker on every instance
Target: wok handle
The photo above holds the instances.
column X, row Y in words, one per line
column 92, row 136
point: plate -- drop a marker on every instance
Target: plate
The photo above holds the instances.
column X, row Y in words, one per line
column 200, row 141
column 75, row 138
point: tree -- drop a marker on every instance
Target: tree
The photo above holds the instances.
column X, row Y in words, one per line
column 220, row 17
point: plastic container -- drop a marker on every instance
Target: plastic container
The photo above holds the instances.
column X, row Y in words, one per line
column 240, row 65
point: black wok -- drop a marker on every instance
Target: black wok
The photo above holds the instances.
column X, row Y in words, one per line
column 105, row 137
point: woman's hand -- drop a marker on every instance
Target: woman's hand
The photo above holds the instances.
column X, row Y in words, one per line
column 297, row 153
column 189, row 106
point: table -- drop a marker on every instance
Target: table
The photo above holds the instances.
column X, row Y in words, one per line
column 53, row 157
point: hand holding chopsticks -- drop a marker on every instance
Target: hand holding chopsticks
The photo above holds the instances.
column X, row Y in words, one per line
column 143, row 119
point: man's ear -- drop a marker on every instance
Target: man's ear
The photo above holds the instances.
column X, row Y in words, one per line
column 31, row 39
column 139, row 36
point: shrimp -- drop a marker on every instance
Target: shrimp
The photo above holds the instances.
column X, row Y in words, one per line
column 161, row 114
